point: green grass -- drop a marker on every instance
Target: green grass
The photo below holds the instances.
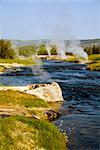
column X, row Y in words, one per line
column 94, row 57
column 72, row 59
column 27, row 61
column 16, row 99
column 1, row 84
column 18, row 133
column 94, row 64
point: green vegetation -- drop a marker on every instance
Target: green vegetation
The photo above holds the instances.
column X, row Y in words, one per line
column 53, row 50
column 21, row 131
column 1, row 84
column 25, row 61
column 94, row 58
column 40, row 50
column 94, row 62
column 17, row 133
column 15, row 99
column 6, row 50
column 94, row 66
column 73, row 59
column 26, row 51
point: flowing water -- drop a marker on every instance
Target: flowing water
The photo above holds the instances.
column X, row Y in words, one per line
column 81, row 91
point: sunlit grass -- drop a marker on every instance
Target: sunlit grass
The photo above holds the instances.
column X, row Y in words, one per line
column 22, row 132
column 16, row 99
column 94, row 57
column 17, row 133
column 73, row 59
column 26, row 61
column 94, row 62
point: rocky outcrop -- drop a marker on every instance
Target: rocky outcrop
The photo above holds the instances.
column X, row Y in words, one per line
column 48, row 92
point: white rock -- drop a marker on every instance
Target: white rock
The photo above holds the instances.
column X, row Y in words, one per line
column 49, row 92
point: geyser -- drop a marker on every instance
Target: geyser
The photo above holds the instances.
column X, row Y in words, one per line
column 48, row 49
column 38, row 70
column 61, row 49
column 75, row 48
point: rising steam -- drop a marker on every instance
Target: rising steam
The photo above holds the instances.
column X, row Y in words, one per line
column 38, row 69
column 75, row 48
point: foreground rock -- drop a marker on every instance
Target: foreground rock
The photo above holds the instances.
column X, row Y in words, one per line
column 52, row 115
column 48, row 92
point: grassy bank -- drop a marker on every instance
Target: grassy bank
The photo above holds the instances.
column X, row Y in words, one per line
column 26, row 61
column 73, row 59
column 22, row 103
column 94, row 61
column 94, row 64
column 20, row 131
column 17, row 133
column 20, row 100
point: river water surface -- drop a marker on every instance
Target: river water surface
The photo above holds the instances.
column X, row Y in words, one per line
column 81, row 91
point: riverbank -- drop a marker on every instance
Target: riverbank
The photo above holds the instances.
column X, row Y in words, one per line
column 24, row 123
column 93, row 63
column 11, row 63
column 24, row 118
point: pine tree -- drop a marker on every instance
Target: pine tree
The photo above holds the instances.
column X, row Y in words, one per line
column 6, row 50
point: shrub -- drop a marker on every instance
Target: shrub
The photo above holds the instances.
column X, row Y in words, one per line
column 26, row 50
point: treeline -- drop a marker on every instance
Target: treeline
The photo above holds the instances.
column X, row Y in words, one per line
column 6, row 50
column 39, row 50
column 95, row 49
column 26, row 51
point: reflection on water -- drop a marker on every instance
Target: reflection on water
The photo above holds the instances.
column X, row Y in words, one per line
column 81, row 91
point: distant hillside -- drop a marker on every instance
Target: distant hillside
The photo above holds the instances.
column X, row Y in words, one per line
column 90, row 42
column 91, row 46
column 20, row 43
column 84, row 43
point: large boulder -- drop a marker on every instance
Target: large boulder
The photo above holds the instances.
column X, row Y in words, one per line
column 49, row 92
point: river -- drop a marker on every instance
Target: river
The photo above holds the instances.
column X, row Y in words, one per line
column 81, row 91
